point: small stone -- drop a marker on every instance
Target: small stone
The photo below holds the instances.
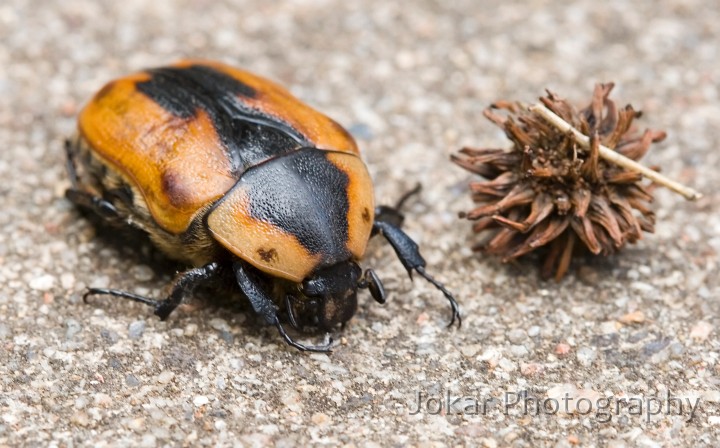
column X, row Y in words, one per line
column 109, row 336
column 588, row 275
column 136, row 329
column 201, row 400
column 219, row 324
column 507, row 365
column 80, row 418
column 562, row 349
column 516, row 336
column 42, row 283
column 586, row 356
column 190, row 330
column 102, row 400
column 320, row 419
column 132, row 381
column 165, row 377
column 636, row 317
column 227, row 337
column 148, row 441
column 531, row 369
column 533, row 331
column 676, row 350
column 655, row 346
column 72, row 327
column 701, row 330
column 136, row 424
column 616, row 444
column 470, row 350
column 518, row 351
column 4, row 331
column 80, row 402
column 67, row 280
column 489, row 443
column 142, row 273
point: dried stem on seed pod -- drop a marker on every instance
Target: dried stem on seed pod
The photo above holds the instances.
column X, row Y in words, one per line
column 614, row 157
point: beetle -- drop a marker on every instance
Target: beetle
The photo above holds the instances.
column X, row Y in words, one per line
column 228, row 171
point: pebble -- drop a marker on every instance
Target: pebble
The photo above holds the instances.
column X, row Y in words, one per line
column 200, row 400
column 655, row 346
column 136, row 329
column 80, row 418
column 516, row 336
column 586, row 356
column 165, row 376
column 507, row 365
column 320, row 419
column 109, row 336
column 219, row 324
column 261, row 392
column 132, row 381
column 701, row 331
column 42, row 283
column 518, row 351
column 72, row 327
column 190, row 330
column 67, row 280
column 142, row 273
column 4, row 331
column 562, row 349
column 676, row 350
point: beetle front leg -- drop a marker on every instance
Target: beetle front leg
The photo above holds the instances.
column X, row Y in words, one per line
column 263, row 305
column 187, row 282
column 409, row 254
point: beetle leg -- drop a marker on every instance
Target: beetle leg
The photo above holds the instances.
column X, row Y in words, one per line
column 187, row 281
column 263, row 305
column 70, row 164
column 290, row 312
column 409, row 255
column 80, row 197
column 374, row 284
column 103, row 208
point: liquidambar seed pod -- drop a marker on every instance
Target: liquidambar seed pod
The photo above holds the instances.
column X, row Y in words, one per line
column 548, row 193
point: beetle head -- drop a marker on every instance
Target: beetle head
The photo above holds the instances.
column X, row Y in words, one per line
column 333, row 294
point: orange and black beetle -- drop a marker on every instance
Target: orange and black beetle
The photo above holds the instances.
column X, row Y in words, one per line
column 227, row 171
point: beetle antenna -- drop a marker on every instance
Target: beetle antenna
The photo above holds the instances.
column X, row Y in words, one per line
column 409, row 255
column 407, row 196
column 453, row 303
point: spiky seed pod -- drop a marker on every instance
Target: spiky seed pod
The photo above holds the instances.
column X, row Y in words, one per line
column 548, row 192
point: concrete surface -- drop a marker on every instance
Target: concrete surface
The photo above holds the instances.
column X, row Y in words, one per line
column 410, row 79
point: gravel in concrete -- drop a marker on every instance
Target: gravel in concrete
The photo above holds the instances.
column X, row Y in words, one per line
column 410, row 80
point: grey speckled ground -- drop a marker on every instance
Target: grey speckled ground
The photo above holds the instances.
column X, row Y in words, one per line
column 410, row 79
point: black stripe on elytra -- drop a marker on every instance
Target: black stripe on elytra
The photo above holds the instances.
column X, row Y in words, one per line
column 305, row 195
column 249, row 136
